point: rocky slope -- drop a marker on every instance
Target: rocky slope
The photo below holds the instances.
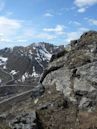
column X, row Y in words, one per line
column 66, row 97
column 22, row 63
column 74, row 74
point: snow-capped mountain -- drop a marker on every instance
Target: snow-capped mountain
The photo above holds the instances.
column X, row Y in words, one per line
column 26, row 62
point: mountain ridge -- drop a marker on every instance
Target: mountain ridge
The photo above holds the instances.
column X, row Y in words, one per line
column 31, row 60
column 66, row 96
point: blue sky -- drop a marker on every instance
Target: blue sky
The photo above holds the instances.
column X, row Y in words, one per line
column 55, row 21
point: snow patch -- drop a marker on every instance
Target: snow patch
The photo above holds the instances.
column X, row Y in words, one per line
column 4, row 67
column 30, row 52
column 26, row 75
column 23, row 78
column 13, row 72
column 46, row 55
column 36, row 101
column 34, row 74
column 3, row 60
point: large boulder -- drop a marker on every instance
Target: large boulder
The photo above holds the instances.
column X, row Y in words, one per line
column 75, row 73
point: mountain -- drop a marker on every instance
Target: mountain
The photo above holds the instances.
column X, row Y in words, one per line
column 66, row 95
column 20, row 63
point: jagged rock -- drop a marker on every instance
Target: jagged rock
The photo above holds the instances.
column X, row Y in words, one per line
column 44, row 106
column 37, row 91
column 58, row 55
column 85, row 102
column 25, row 121
column 77, row 78
column 55, row 112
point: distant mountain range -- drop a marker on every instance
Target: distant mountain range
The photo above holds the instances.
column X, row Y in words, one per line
column 20, row 63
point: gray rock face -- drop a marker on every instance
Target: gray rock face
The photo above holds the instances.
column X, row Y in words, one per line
column 25, row 121
column 77, row 78
column 37, row 91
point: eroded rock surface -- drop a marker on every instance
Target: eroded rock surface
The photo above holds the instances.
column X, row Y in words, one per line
column 25, row 121
column 77, row 76
column 74, row 74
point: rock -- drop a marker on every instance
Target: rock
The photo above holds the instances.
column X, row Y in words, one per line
column 25, row 121
column 70, row 82
column 38, row 91
column 77, row 78
column 3, row 116
column 44, row 106
column 85, row 102
column 36, row 100
column 58, row 55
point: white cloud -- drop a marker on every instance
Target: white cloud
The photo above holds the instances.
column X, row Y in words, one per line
column 72, row 36
column 81, row 10
column 83, row 29
column 2, row 5
column 48, row 15
column 77, row 23
column 8, row 13
column 84, row 4
column 33, row 34
column 5, row 40
column 76, row 34
column 45, row 36
column 8, row 27
column 59, row 29
column 9, row 23
column 21, row 40
column 93, row 21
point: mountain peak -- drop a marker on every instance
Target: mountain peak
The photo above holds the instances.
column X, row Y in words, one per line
column 22, row 60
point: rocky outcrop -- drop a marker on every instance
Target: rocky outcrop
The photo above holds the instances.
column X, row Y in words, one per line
column 58, row 55
column 37, row 91
column 77, row 78
column 25, row 121
column 70, row 83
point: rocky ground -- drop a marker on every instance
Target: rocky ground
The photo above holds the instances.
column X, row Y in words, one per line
column 66, row 97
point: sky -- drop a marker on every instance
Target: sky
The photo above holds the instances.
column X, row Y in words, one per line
column 23, row 22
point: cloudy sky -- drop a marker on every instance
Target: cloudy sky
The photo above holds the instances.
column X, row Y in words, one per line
column 55, row 21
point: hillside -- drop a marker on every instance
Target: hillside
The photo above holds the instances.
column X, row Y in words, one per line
column 73, row 74
column 66, row 97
